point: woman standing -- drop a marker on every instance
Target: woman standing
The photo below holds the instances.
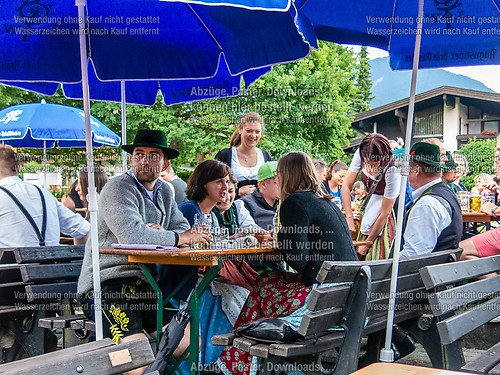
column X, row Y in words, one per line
column 243, row 156
column 334, row 179
column 374, row 160
column 312, row 229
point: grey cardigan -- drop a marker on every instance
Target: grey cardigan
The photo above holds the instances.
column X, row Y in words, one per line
column 124, row 213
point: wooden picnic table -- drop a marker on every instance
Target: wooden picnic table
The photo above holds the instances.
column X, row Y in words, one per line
column 189, row 257
column 211, row 257
column 400, row 369
column 477, row 217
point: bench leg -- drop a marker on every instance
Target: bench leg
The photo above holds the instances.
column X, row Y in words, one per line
column 354, row 318
column 424, row 330
column 32, row 339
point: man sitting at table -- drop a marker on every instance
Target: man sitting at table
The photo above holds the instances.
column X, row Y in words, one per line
column 137, row 208
column 32, row 216
column 434, row 220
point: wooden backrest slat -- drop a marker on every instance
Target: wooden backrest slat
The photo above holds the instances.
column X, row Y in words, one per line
column 43, row 272
column 332, row 296
column 319, row 321
column 411, row 299
column 51, row 292
column 410, row 290
column 439, row 275
column 459, row 325
column 406, row 283
column 48, row 254
column 485, row 363
column 346, row 271
column 455, row 298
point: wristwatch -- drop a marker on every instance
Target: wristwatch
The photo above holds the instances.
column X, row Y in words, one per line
column 493, row 209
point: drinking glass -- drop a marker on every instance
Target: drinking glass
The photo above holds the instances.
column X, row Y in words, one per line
column 464, row 199
column 475, row 203
column 220, row 234
column 202, row 222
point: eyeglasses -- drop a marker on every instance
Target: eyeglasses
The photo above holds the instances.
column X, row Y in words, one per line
column 152, row 157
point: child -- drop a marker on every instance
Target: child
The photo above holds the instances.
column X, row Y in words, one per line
column 481, row 181
column 358, row 191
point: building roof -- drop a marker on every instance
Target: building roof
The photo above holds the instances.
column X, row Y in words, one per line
column 431, row 94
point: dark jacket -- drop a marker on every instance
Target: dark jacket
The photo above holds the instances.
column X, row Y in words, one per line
column 312, row 230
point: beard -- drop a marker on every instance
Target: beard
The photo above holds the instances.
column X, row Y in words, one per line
column 147, row 174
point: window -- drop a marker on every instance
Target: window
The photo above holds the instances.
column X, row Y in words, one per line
column 429, row 122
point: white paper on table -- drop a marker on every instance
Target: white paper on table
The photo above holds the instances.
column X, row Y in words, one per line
column 142, row 246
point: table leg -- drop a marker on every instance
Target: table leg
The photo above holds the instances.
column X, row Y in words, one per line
column 194, row 302
column 159, row 302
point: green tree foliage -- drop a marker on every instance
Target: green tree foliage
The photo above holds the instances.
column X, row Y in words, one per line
column 363, row 95
column 480, row 157
column 306, row 105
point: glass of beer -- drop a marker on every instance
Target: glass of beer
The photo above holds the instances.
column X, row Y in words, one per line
column 475, row 203
column 464, row 199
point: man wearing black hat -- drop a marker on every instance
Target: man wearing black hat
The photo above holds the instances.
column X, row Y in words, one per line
column 434, row 220
column 136, row 208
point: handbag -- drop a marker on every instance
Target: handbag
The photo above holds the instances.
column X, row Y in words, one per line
column 273, row 330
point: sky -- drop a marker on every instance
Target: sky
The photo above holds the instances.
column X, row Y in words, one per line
column 489, row 75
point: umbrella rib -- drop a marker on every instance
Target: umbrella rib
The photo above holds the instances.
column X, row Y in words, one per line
column 204, row 26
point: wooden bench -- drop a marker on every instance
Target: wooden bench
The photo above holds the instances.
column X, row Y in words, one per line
column 337, row 312
column 37, row 283
column 99, row 357
column 461, row 303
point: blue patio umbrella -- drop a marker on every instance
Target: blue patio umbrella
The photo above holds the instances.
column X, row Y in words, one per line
column 42, row 125
column 39, row 125
column 172, row 91
column 143, row 39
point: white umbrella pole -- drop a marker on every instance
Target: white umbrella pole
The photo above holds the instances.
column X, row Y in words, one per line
column 387, row 354
column 44, row 164
column 124, row 124
column 92, row 197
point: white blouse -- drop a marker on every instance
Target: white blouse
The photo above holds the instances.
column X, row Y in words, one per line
column 242, row 173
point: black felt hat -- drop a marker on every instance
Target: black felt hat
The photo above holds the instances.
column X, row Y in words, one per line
column 152, row 138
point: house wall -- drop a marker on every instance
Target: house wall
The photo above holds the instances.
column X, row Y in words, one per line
column 463, row 115
column 390, row 129
column 451, row 125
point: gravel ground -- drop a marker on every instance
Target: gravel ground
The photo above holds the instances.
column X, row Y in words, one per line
column 420, row 358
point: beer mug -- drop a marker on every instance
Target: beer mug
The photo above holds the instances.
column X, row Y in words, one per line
column 475, row 203
column 202, row 223
column 464, row 199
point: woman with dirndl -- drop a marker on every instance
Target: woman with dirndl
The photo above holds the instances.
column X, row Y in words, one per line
column 374, row 157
